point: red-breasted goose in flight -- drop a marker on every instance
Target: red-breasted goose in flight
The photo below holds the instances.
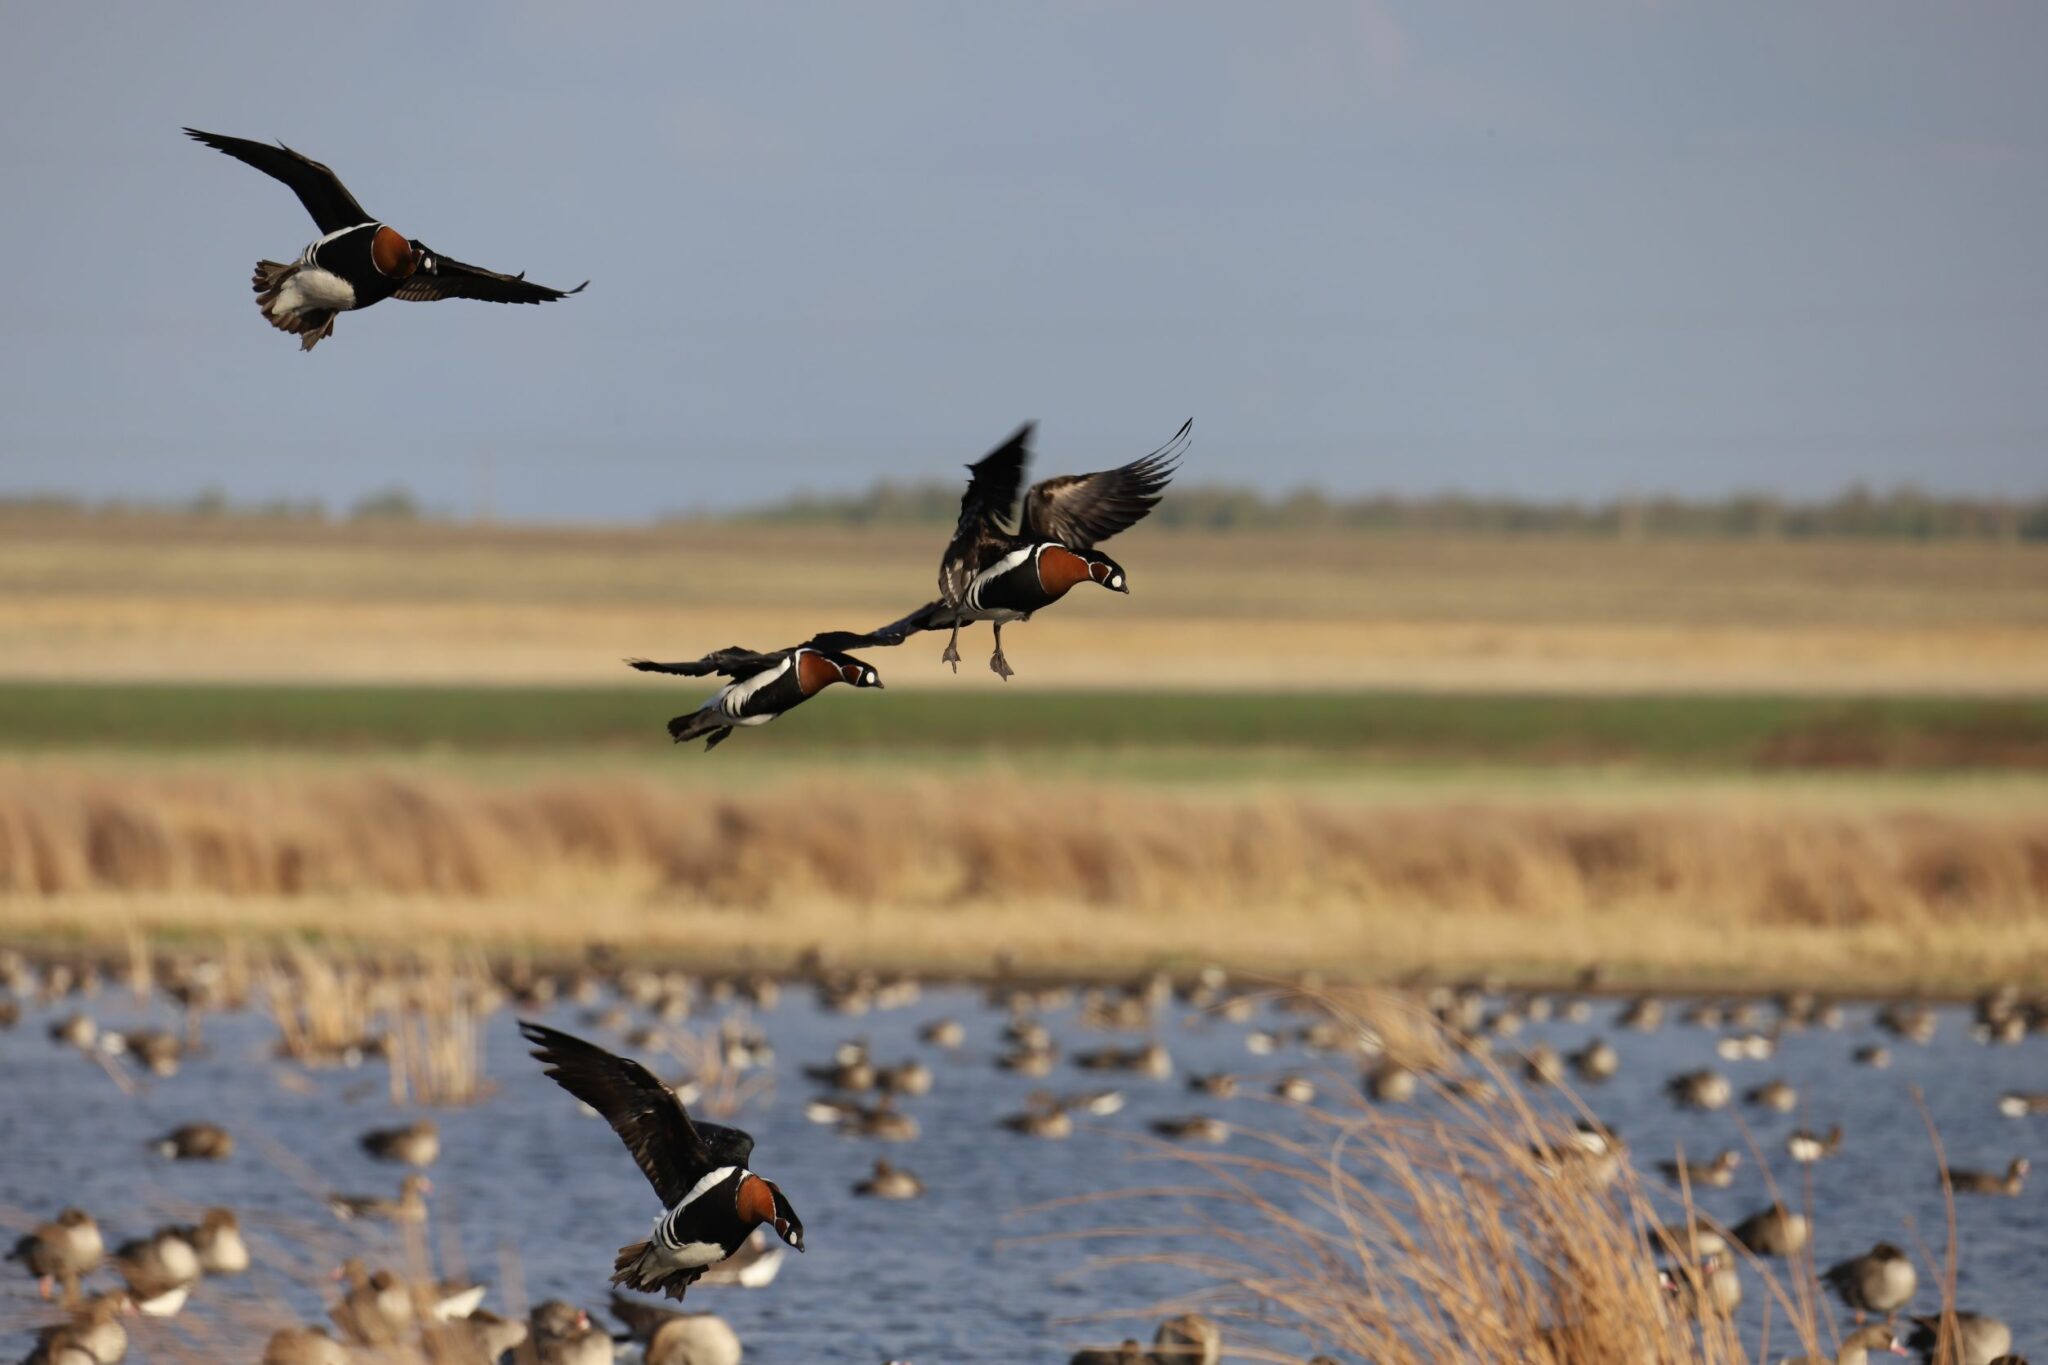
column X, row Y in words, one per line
column 358, row 260
column 710, row 1201
column 995, row 574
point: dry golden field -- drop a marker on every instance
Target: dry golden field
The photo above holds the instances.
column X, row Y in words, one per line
column 1722, row 886
column 249, row 600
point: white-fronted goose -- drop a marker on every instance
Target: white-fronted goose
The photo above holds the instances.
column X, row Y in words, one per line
column 1295, row 1089
column 1775, row 1231
column 409, row 1207
column 944, row 1033
column 1777, row 1095
column 1718, row 1173
column 905, row 1078
column 889, row 1182
column 416, row 1144
column 1391, row 1083
column 217, row 1241
column 672, row 1338
column 1806, row 1148
column 1856, row 1347
column 61, row 1252
column 1041, row 1121
column 1985, row 1182
column 1882, row 1280
column 1713, row 1287
column 882, row 1122
column 1979, row 1339
column 1704, row 1089
column 474, row 1339
column 2018, row 1104
column 562, row 1334
column 754, row 1266
column 304, row 1346
column 1130, row 1353
column 1192, row 1128
column 160, row 1270
column 93, row 1335
column 196, row 1142
column 376, row 1310
column 1217, row 1084
column 1597, row 1061
column 1188, row 1339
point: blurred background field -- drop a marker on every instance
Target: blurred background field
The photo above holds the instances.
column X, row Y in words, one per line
column 1751, row 759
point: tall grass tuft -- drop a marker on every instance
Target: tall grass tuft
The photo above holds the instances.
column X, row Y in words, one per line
column 1488, row 1228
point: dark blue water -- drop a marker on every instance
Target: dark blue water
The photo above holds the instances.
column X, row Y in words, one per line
column 531, row 1187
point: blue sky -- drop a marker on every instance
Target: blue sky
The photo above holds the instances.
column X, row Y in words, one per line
column 1569, row 249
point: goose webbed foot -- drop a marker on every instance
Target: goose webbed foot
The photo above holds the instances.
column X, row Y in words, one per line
column 952, row 654
column 1001, row 666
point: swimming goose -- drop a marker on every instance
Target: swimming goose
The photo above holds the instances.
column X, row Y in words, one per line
column 196, row 1142
column 1194, row 1128
column 889, row 1182
column 160, row 1270
column 1775, row 1231
column 563, row 1334
column 376, row 1310
column 409, row 1207
column 1130, row 1353
column 672, row 1338
column 1703, row 1089
column 1985, row 1182
column 1719, row 1173
column 217, row 1241
column 93, row 1335
column 416, row 1144
column 1981, row 1339
column 1596, row 1061
column 1807, row 1148
column 1776, row 1095
column 1856, row 1347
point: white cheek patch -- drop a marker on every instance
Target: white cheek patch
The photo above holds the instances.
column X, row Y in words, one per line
column 1116, row 580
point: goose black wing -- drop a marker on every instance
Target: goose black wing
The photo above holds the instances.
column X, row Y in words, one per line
column 846, row 641
column 318, row 188
column 731, row 662
column 985, row 509
column 1083, row 510
column 672, row 1152
column 444, row 277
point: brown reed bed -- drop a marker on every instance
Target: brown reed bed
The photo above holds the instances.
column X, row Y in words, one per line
column 945, row 871
column 1488, row 1231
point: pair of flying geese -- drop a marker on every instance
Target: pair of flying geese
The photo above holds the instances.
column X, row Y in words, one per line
column 990, row 572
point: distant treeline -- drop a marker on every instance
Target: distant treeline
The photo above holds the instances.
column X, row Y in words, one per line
column 390, row 504
column 1898, row 514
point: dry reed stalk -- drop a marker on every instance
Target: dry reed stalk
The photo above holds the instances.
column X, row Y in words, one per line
column 320, row 1004
column 912, row 845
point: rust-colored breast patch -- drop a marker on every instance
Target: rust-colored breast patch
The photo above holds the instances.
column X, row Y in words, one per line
column 1060, row 569
column 390, row 252
column 756, row 1201
column 814, row 671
